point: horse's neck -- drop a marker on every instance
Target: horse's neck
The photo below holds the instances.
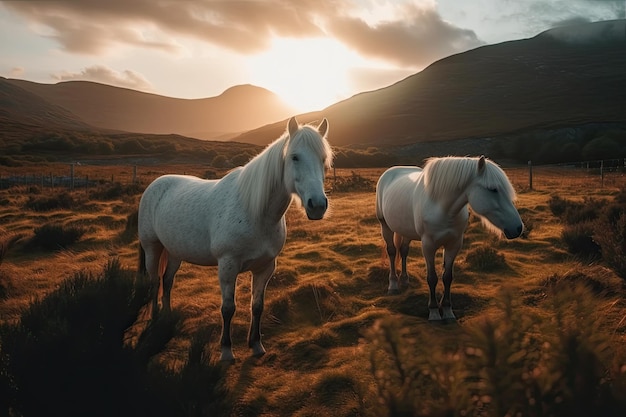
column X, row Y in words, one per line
column 277, row 206
column 456, row 204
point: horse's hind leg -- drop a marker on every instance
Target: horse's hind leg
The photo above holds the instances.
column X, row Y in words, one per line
column 171, row 268
column 152, row 254
column 259, row 282
column 388, row 235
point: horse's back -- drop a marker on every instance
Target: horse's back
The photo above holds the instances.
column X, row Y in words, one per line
column 168, row 194
column 397, row 179
column 396, row 172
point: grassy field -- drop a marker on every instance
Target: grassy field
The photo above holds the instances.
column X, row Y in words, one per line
column 529, row 311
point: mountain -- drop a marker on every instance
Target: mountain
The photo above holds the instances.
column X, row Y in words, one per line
column 236, row 110
column 22, row 110
column 562, row 77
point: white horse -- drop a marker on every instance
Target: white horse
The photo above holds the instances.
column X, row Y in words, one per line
column 431, row 205
column 236, row 223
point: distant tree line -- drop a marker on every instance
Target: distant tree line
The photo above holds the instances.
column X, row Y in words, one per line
column 546, row 146
column 585, row 143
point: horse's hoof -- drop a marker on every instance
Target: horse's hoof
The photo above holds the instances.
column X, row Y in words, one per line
column 394, row 291
column 448, row 315
column 434, row 316
column 227, row 356
column 258, row 351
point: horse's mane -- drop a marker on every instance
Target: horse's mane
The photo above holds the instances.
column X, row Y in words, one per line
column 452, row 174
column 262, row 176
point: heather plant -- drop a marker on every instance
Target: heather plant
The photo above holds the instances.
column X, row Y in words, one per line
column 579, row 240
column 70, row 355
column 115, row 191
column 56, row 236
column 485, row 258
column 610, row 235
column 60, row 200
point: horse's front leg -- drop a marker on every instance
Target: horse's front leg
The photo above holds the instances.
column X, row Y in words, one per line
column 227, row 272
column 387, row 234
column 259, row 282
column 168, row 282
column 429, row 250
column 449, row 254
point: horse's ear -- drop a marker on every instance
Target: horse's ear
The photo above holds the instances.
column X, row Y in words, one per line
column 292, row 126
column 323, row 128
column 481, row 163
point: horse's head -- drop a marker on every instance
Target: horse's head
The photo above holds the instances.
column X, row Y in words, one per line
column 307, row 157
column 491, row 196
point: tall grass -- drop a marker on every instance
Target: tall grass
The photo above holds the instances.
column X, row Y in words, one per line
column 68, row 356
column 595, row 228
column 556, row 361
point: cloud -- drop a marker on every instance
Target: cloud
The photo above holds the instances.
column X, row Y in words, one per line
column 93, row 26
column 106, row 75
column 16, row 72
column 415, row 38
column 420, row 38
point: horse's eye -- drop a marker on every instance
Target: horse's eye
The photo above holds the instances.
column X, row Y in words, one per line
column 295, row 158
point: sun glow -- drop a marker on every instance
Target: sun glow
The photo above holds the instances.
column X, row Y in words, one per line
column 308, row 74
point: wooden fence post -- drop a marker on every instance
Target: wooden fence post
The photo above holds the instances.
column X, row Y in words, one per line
column 602, row 173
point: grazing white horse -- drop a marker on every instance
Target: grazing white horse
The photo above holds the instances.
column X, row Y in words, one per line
column 236, row 223
column 430, row 205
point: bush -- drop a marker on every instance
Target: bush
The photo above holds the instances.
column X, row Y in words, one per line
column 485, row 258
column 68, row 356
column 56, row 236
column 115, row 191
column 610, row 235
column 579, row 240
column 62, row 200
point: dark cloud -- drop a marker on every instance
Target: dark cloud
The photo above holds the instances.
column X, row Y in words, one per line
column 106, row 75
column 95, row 26
column 90, row 26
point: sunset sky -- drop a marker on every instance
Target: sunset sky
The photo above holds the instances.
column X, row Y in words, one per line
column 310, row 52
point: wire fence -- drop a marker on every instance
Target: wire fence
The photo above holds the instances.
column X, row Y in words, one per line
column 583, row 175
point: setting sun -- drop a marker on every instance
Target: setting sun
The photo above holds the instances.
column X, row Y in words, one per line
column 309, row 74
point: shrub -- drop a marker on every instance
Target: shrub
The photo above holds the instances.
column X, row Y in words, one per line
column 557, row 205
column 579, row 240
column 115, row 191
column 610, row 235
column 62, row 200
column 68, row 356
column 56, row 236
column 485, row 258
column 130, row 230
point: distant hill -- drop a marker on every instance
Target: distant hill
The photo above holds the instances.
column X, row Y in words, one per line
column 562, row 77
column 21, row 109
column 236, row 110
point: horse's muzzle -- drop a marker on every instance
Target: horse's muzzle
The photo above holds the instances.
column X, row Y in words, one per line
column 513, row 233
column 315, row 210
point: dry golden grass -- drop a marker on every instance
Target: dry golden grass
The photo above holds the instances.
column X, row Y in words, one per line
column 329, row 288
